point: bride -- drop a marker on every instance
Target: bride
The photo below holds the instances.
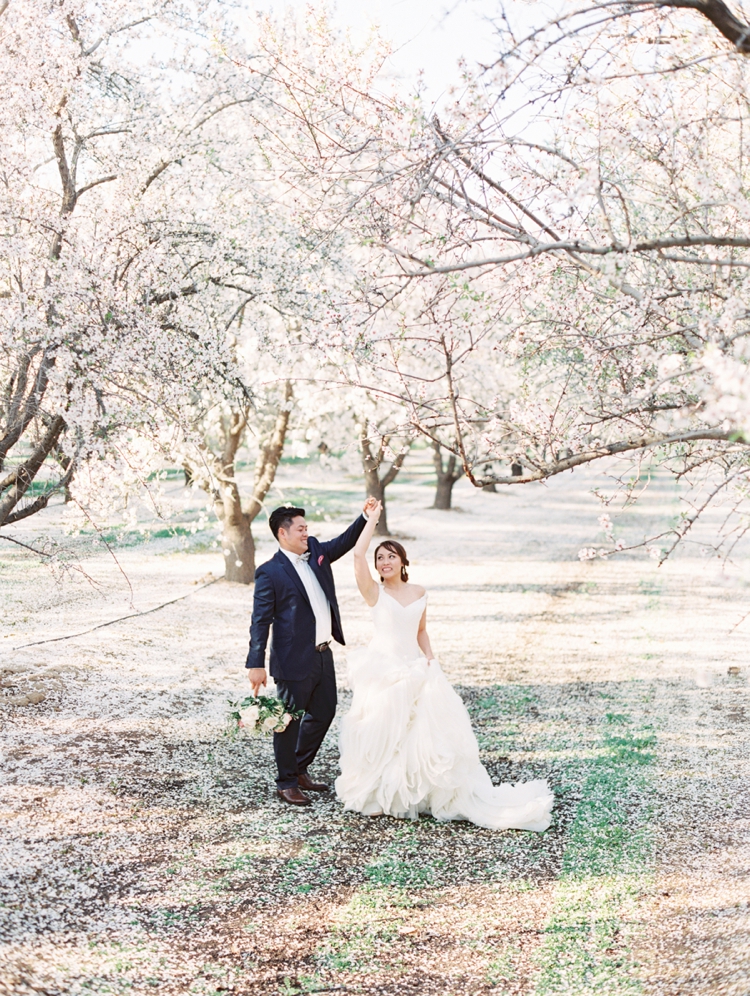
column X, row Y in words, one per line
column 407, row 746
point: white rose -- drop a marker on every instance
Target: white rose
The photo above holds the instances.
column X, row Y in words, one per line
column 270, row 723
column 286, row 720
column 249, row 716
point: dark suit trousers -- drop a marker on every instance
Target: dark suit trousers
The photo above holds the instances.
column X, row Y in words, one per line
column 297, row 746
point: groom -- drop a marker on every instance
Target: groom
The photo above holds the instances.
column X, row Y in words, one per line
column 295, row 593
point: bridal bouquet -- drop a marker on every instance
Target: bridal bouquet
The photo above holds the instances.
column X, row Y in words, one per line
column 262, row 715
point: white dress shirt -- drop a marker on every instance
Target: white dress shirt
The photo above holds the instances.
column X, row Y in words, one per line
column 318, row 601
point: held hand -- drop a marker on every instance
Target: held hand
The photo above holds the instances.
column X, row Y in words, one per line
column 258, row 679
column 373, row 509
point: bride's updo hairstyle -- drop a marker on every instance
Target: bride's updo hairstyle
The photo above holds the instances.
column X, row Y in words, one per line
column 396, row 548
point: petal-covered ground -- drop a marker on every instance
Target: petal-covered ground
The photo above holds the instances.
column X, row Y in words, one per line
column 143, row 849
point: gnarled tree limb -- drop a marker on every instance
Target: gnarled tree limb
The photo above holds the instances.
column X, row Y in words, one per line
column 717, row 12
column 18, row 483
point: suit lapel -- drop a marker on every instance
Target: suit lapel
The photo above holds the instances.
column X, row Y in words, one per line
column 291, row 570
column 320, row 574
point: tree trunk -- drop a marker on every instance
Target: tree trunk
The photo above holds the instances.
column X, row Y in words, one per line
column 446, row 477
column 375, row 485
column 374, row 488
column 238, row 545
column 489, row 487
column 444, row 492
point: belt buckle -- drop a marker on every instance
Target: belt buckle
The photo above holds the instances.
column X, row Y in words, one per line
column 323, row 646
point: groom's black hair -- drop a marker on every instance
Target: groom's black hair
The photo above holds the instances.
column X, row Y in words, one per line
column 282, row 518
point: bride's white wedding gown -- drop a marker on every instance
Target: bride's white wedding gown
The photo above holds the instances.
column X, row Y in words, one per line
column 407, row 746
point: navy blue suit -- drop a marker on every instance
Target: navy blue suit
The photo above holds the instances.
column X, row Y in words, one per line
column 304, row 676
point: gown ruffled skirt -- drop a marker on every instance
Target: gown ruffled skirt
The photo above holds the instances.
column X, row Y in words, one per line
column 407, row 746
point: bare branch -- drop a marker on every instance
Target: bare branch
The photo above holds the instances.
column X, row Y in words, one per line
column 645, row 441
column 582, row 248
column 396, row 465
column 155, row 174
column 12, row 539
column 66, row 178
column 174, row 295
column 95, row 183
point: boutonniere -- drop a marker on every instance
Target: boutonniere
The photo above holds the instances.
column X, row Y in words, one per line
column 321, row 558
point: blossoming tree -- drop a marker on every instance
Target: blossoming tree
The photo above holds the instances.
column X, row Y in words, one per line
column 142, row 218
column 557, row 266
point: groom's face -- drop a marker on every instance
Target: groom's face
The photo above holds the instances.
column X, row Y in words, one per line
column 294, row 538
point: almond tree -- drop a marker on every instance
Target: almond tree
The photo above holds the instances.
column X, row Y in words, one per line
column 617, row 251
column 586, row 199
column 141, row 215
column 104, row 240
column 214, row 469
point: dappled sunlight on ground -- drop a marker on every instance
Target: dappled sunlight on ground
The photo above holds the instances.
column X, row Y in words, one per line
column 144, row 850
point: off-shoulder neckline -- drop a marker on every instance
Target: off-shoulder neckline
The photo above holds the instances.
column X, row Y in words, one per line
column 393, row 598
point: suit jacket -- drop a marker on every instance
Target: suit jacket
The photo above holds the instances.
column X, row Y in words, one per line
column 281, row 601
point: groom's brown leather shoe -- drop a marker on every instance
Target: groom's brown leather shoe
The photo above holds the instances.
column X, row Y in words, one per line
column 293, row 796
column 305, row 782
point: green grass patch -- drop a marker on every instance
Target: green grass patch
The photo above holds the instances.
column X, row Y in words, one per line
column 169, row 531
column 38, row 487
column 170, row 918
column 240, row 863
column 365, row 927
column 502, row 967
column 652, row 590
column 167, row 474
column 606, row 867
column 497, row 715
column 187, row 534
column 402, row 871
column 305, row 871
column 362, row 936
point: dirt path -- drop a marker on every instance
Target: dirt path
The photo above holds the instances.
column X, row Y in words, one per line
column 143, row 849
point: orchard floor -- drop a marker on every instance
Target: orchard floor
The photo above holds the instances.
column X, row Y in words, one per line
column 143, row 849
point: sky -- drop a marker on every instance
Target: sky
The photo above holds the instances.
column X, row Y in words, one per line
column 431, row 35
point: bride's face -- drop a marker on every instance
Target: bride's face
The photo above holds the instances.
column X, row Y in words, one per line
column 388, row 564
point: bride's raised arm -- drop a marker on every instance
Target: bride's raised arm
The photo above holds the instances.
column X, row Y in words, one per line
column 367, row 586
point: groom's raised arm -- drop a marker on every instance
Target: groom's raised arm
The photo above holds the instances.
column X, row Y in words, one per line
column 342, row 544
column 264, row 603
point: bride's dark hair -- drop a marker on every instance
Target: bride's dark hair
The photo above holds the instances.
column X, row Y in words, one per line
column 396, row 548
